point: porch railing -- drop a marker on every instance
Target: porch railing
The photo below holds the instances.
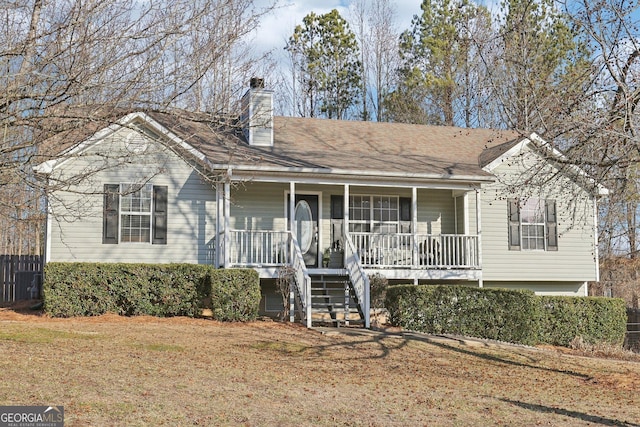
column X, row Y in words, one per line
column 387, row 250
column 359, row 279
column 259, row 248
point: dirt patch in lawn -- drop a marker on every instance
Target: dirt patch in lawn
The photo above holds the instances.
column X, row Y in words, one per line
column 112, row 370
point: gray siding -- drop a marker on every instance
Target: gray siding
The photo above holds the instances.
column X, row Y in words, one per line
column 258, row 206
column 571, row 289
column 575, row 259
column 76, row 217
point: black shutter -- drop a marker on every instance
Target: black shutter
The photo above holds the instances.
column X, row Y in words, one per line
column 552, row 225
column 405, row 208
column 110, row 217
column 159, row 215
column 513, row 213
column 337, row 207
column 337, row 219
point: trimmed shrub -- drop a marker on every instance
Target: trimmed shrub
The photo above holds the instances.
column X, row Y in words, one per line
column 235, row 294
column 505, row 315
column 90, row 289
column 595, row 320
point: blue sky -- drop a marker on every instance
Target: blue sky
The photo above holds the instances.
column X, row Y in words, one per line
column 277, row 27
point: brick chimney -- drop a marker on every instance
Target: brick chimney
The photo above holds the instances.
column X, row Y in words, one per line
column 257, row 114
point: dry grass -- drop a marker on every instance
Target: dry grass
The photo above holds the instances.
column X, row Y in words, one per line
column 111, row 370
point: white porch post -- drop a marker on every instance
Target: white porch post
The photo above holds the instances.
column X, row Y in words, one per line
column 595, row 242
column 227, row 223
column 292, row 230
column 479, row 233
column 414, row 228
column 218, row 246
column 345, row 225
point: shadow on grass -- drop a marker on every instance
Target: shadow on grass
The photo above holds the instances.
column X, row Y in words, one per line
column 381, row 340
column 494, row 358
column 573, row 414
column 389, row 342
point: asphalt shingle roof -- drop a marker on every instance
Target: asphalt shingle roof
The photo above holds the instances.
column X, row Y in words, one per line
column 341, row 145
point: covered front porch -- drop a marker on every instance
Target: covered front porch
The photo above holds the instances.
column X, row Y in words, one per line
column 417, row 233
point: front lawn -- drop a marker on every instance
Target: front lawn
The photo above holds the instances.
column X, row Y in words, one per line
column 112, row 370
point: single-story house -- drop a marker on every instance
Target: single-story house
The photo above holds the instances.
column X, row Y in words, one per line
column 333, row 201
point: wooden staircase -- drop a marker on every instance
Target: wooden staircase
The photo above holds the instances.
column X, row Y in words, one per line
column 333, row 301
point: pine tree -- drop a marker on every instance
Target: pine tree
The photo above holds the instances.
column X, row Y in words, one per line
column 437, row 57
column 326, row 65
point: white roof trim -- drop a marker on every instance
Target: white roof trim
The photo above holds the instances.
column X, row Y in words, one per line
column 174, row 138
column 347, row 172
column 534, row 137
column 48, row 166
column 512, row 152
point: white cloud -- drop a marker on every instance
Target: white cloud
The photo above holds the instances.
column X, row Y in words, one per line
column 277, row 27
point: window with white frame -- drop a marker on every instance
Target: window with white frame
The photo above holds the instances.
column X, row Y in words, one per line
column 378, row 214
column 135, row 213
column 532, row 224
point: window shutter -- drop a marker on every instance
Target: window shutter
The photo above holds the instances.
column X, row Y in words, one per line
column 405, row 209
column 110, row 217
column 337, row 210
column 514, row 224
column 159, row 215
column 552, row 225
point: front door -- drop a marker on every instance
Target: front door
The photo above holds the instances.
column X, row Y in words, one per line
column 306, row 215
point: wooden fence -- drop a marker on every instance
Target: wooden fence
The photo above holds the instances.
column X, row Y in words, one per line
column 20, row 277
column 632, row 339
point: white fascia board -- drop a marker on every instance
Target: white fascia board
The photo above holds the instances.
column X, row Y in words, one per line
column 367, row 175
column 512, row 152
column 174, row 138
column 555, row 153
column 334, row 179
column 125, row 122
column 48, row 166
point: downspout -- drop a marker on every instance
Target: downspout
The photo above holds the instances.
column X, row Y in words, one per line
column 414, row 229
column 218, row 246
column 227, row 215
column 47, row 231
column 479, row 233
column 596, row 250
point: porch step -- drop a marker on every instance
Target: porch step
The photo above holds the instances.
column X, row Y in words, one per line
column 328, row 301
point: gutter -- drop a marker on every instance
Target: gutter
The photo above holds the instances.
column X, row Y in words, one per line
column 280, row 171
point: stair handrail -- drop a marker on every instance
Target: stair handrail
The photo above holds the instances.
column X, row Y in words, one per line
column 302, row 280
column 359, row 279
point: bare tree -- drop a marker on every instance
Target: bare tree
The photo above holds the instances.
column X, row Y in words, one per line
column 603, row 127
column 68, row 63
column 374, row 22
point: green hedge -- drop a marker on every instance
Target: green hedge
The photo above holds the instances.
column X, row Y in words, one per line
column 235, row 294
column 91, row 289
column 484, row 313
column 594, row 319
column 506, row 315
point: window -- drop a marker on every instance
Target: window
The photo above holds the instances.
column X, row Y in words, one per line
column 360, row 214
column 532, row 224
column 385, row 214
column 378, row 214
column 135, row 213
